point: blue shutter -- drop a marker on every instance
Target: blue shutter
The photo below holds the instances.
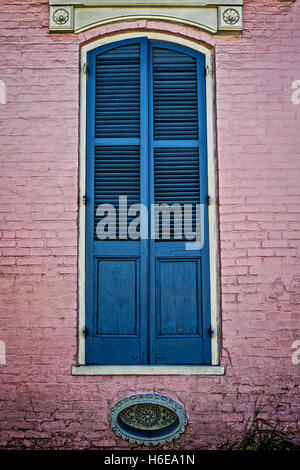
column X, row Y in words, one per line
column 176, row 179
column 117, row 173
column 175, row 103
column 147, row 301
column 115, row 268
column 179, row 279
column 117, row 106
column 175, row 118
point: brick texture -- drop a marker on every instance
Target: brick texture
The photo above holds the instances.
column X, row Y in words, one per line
column 42, row 405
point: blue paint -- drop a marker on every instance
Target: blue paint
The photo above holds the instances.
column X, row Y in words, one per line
column 147, row 301
column 117, row 297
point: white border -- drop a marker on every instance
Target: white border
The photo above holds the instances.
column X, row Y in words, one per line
column 148, row 370
column 147, row 16
column 134, row 3
column 213, row 229
column 204, row 14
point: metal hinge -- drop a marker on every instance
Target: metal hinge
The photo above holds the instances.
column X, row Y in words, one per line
column 85, row 70
column 84, row 199
column 208, row 71
column 211, row 332
column 84, row 332
column 209, row 201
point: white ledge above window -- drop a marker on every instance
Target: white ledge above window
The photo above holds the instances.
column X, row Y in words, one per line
column 210, row 15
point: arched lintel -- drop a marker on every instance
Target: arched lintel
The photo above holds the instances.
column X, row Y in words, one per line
column 101, row 36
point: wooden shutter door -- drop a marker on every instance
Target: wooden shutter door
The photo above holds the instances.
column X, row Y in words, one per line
column 179, row 283
column 147, row 301
column 116, row 269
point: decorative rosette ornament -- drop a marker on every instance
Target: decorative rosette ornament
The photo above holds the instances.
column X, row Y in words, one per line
column 231, row 16
column 61, row 16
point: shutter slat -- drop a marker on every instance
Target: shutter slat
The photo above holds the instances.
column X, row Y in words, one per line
column 175, row 97
column 117, row 97
column 176, row 180
column 117, row 173
column 117, row 116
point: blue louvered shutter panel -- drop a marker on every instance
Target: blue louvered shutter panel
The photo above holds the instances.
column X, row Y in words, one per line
column 117, row 115
column 117, row 173
column 115, row 267
column 147, row 301
column 180, row 303
column 175, row 100
column 175, row 118
column 117, row 106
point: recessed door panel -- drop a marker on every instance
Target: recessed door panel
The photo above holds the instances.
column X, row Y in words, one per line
column 118, row 297
column 178, row 293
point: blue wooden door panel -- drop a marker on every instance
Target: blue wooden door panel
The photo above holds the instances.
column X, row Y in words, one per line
column 113, row 350
column 118, row 297
column 116, row 307
column 179, row 309
column 147, row 301
column 178, row 174
column 183, row 351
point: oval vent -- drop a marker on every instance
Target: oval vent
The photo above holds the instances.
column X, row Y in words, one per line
column 148, row 419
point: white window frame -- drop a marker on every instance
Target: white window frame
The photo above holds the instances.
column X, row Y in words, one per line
column 215, row 368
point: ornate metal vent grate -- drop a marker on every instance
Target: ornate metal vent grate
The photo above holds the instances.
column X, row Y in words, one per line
column 148, row 419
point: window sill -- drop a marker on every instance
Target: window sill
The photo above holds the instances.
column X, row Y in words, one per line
column 148, row 370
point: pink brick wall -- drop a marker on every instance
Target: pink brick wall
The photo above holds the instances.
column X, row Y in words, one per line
column 258, row 140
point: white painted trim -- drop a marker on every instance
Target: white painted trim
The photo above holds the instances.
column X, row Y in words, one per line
column 148, row 16
column 162, row 3
column 79, row 15
column 148, row 370
column 213, row 229
column 82, row 212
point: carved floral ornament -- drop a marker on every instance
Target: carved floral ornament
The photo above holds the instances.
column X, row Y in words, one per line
column 210, row 15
